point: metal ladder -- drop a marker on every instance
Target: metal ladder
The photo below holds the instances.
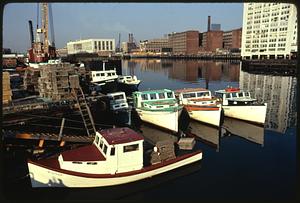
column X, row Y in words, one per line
column 85, row 111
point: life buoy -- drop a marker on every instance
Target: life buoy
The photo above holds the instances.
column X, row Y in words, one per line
column 232, row 89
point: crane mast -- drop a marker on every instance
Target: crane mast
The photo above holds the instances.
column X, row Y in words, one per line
column 45, row 28
column 41, row 49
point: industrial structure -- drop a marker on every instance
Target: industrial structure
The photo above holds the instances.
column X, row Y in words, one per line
column 269, row 31
column 42, row 48
column 155, row 45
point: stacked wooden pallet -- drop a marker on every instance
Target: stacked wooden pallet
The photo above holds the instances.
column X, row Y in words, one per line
column 6, row 90
column 30, row 79
column 54, row 81
column 163, row 150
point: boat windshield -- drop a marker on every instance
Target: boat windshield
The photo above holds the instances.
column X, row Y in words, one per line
column 144, row 96
column 153, row 96
column 161, row 95
column 121, row 96
column 228, row 95
column 219, row 95
column 170, row 95
column 189, row 95
column 234, row 95
column 241, row 94
column 202, row 94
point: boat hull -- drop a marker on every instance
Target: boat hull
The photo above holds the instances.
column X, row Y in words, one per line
column 164, row 119
column 251, row 113
column 208, row 115
column 45, row 177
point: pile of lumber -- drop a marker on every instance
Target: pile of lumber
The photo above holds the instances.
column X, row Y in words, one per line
column 57, row 80
column 6, row 90
column 163, row 151
column 30, row 80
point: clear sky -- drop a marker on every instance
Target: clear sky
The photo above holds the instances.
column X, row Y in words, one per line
column 73, row 21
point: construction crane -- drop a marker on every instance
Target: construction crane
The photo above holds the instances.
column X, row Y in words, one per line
column 41, row 49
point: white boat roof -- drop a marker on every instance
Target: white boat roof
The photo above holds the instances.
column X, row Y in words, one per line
column 185, row 90
column 115, row 93
column 243, row 99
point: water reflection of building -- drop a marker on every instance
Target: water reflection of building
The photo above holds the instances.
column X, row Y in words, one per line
column 280, row 94
column 190, row 70
column 208, row 70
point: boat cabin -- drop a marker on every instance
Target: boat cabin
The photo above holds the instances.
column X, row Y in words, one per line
column 233, row 95
column 127, row 78
column 194, row 95
column 104, row 75
column 117, row 101
column 159, row 97
column 113, row 151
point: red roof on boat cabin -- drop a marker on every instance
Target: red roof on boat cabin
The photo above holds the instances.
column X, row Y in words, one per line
column 86, row 153
column 190, row 90
column 120, row 135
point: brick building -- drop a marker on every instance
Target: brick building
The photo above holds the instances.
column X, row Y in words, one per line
column 211, row 41
column 184, row 43
column 232, row 39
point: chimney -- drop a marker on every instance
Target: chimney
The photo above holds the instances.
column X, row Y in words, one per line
column 208, row 24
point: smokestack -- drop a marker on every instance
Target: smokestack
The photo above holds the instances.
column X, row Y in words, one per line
column 208, row 24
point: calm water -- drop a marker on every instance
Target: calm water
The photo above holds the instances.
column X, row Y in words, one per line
column 241, row 161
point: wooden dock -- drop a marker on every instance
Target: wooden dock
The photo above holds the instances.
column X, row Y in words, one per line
column 42, row 137
column 271, row 66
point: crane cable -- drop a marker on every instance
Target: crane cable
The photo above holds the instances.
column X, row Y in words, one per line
column 37, row 19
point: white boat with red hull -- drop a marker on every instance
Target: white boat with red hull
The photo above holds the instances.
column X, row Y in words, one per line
column 115, row 157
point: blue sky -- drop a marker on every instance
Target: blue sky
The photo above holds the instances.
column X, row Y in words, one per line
column 106, row 20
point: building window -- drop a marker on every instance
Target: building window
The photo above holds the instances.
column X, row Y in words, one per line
column 103, row 45
column 107, row 47
column 95, row 45
column 111, row 45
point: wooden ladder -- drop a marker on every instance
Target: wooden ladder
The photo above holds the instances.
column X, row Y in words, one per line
column 85, row 112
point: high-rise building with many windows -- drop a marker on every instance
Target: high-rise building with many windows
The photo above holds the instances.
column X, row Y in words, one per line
column 269, row 31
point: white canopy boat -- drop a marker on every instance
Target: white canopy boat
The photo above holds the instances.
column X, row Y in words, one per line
column 200, row 105
column 239, row 104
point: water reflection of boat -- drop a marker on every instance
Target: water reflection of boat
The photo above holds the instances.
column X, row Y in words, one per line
column 251, row 132
column 205, row 133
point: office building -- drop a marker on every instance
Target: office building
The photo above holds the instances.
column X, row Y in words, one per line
column 269, row 31
column 91, row 46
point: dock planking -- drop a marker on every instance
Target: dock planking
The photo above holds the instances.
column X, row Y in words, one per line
column 9, row 134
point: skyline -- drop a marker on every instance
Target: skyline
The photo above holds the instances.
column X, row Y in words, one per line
column 107, row 20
